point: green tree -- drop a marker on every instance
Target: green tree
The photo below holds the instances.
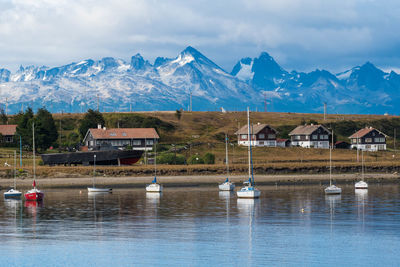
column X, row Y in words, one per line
column 45, row 129
column 195, row 159
column 3, row 116
column 90, row 120
column 24, row 122
column 209, row 158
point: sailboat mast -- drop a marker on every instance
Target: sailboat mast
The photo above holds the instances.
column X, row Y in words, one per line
column 34, row 156
column 330, row 162
column 15, row 169
column 226, row 155
column 249, row 150
column 362, row 165
column 155, row 158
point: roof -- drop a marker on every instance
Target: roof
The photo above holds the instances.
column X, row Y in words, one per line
column 341, row 142
column 255, row 128
column 364, row 131
column 8, row 129
column 124, row 133
column 307, row 129
column 281, row 140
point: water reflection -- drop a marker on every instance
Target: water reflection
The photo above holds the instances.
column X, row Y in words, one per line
column 192, row 226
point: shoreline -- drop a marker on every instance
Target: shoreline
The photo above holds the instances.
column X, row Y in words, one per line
column 198, row 180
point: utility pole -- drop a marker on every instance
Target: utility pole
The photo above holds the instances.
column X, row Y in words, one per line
column 190, row 101
column 265, row 102
column 98, row 103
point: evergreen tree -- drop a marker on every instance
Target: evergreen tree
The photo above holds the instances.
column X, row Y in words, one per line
column 24, row 126
column 45, row 129
column 90, row 120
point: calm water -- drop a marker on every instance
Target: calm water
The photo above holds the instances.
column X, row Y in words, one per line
column 201, row 226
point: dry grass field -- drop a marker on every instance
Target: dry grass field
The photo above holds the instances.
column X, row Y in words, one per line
column 197, row 133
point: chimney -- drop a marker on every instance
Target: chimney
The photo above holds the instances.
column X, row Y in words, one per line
column 104, row 128
column 99, row 126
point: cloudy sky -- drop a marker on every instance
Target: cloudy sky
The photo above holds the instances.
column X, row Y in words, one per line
column 299, row 34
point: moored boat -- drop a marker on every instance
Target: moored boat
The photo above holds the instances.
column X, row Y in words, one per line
column 227, row 185
column 13, row 192
column 332, row 189
column 34, row 194
column 249, row 190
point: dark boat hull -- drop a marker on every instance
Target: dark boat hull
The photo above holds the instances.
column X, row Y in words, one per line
column 107, row 157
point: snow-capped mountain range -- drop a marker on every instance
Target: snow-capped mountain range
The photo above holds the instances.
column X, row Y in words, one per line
column 167, row 84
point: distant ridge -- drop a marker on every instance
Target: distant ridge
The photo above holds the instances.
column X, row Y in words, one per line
column 167, row 84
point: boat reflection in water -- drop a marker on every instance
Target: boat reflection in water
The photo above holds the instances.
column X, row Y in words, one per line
column 153, row 197
column 361, row 199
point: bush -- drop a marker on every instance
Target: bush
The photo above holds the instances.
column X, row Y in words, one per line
column 209, row 158
column 195, row 159
column 169, row 158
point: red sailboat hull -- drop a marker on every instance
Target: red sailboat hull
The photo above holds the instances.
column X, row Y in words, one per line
column 35, row 196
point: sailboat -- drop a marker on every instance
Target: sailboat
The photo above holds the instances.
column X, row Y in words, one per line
column 95, row 189
column 34, row 194
column 227, row 185
column 332, row 189
column 13, row 192
column 362, row 184
column 249, row 190
column 154, row 186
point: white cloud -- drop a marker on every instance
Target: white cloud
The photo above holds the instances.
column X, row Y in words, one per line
column 301, row 34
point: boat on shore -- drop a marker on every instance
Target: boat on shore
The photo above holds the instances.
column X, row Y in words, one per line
column 104, row 157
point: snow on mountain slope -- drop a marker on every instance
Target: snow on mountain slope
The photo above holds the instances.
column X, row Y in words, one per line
column 168, row 83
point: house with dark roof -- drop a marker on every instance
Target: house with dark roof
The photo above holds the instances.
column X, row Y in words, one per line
column 316, row 136
column 368, row 139
column 261, row 135
column 137, row 138
column 8, row 133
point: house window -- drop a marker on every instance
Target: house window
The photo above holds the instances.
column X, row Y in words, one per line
column 243, row 136
column 297, row 137
column 314, row 137
column 307, row 137
column 271, row 136
column 261, row 142
column 113, row 134
column 149, row 142
column 324, row 137
column 123, row 134
column 136, row 142
column 379, row 140
column 261, row 136
column 369, row 140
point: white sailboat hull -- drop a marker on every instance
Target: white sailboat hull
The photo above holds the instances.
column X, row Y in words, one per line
column 248, row 192
column 226, row 186
column 361, row 185
column 12, row 193
column 333, row 190
column 95, row 189
column 154, row 187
